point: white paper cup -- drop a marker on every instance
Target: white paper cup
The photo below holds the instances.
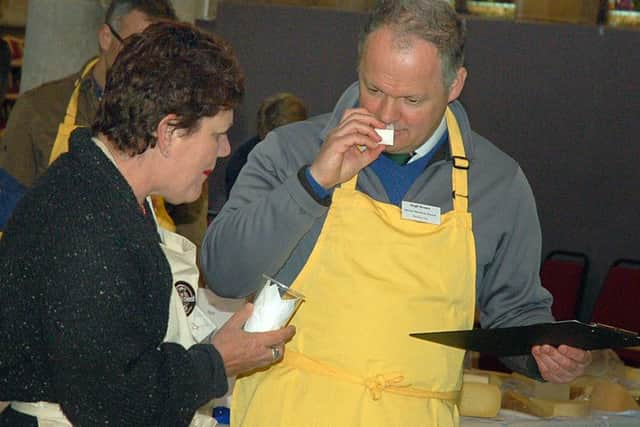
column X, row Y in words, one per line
column 273, row 306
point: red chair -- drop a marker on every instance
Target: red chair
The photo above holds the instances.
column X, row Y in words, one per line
column 563, row 273
column 617, row 303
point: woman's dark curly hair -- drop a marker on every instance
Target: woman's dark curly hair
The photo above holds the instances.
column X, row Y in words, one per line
column 169, row 68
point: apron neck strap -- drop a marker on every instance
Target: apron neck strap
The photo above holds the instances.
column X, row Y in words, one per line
column 459, row 176
column 72, row 107
column 61, row 143
column 161, row 231
column 149, row 203
column 351, row 184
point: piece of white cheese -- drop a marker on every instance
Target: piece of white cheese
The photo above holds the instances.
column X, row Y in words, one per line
column 386, row 135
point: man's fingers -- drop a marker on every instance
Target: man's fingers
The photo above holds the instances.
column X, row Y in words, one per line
column 361, row 115
column 580, row 356
column 373, row 153
column 356, row 129
column 560, row 365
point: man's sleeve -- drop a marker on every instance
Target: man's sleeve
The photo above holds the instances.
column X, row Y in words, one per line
column 257, row 230
column 16, row 144
column 510, row 293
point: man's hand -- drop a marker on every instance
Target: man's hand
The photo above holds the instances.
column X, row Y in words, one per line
column 562, row 364
column 243, row 351
column 340, row 157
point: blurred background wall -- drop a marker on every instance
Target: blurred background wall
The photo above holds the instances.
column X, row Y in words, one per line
column 562, row 99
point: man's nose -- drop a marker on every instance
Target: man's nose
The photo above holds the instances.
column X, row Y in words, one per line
column 388, row 111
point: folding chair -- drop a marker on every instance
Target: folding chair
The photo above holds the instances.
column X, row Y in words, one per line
column 617, row 303
column 563, row 273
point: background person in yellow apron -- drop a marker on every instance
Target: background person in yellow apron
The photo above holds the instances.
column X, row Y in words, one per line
column 39, row 125
column 384, row 244
column 99, row 322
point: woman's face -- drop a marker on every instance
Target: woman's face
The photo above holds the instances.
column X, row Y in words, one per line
column 194, row 156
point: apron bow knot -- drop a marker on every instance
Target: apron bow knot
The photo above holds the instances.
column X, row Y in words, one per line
column 378, row 383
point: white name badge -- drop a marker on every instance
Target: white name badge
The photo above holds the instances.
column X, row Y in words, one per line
column 421, row 213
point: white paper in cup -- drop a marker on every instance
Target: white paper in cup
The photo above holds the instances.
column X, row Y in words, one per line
column 386, row 135
column 273, row 307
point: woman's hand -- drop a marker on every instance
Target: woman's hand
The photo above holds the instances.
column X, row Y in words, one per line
column 243, row 351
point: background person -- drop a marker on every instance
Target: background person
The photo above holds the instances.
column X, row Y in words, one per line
column 276, row 110
column 385, row 240
column 42, row 118
column 10, row 193
column 93, row 329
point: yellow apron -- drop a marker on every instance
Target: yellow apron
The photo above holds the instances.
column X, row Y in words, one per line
column 68, row 125
column 187, row 323
column 371, row 279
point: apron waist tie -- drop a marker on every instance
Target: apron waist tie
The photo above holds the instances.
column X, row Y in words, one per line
column 390, row 382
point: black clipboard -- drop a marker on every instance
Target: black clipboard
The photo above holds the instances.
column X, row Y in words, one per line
column 513, row 341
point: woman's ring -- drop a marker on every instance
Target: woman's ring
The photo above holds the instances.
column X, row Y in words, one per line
column 276, row 353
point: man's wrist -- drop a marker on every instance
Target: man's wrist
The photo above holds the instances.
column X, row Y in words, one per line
column 315, row 190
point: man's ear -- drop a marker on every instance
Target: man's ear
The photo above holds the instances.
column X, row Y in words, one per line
column 105, row 38
column 165, row 134
column 458, row 84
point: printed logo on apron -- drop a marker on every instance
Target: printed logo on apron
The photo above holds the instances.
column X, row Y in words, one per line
column 187, row 295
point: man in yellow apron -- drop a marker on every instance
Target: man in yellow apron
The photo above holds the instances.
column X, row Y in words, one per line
column 40, row 123
column 384, row 244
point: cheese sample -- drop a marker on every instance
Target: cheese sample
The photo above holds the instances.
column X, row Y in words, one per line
column 630, row 374
column 493, row 377
column 545, row 407
column 386, row 135
column 469, row 377
column 542, row 390
column 480, row 400
column 560, row 408
column 609, row 396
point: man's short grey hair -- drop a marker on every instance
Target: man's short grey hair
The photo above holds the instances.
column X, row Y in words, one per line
column 154, row 9
column 435, row 21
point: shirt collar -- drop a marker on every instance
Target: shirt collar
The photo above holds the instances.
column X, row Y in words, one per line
column 431, row 142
